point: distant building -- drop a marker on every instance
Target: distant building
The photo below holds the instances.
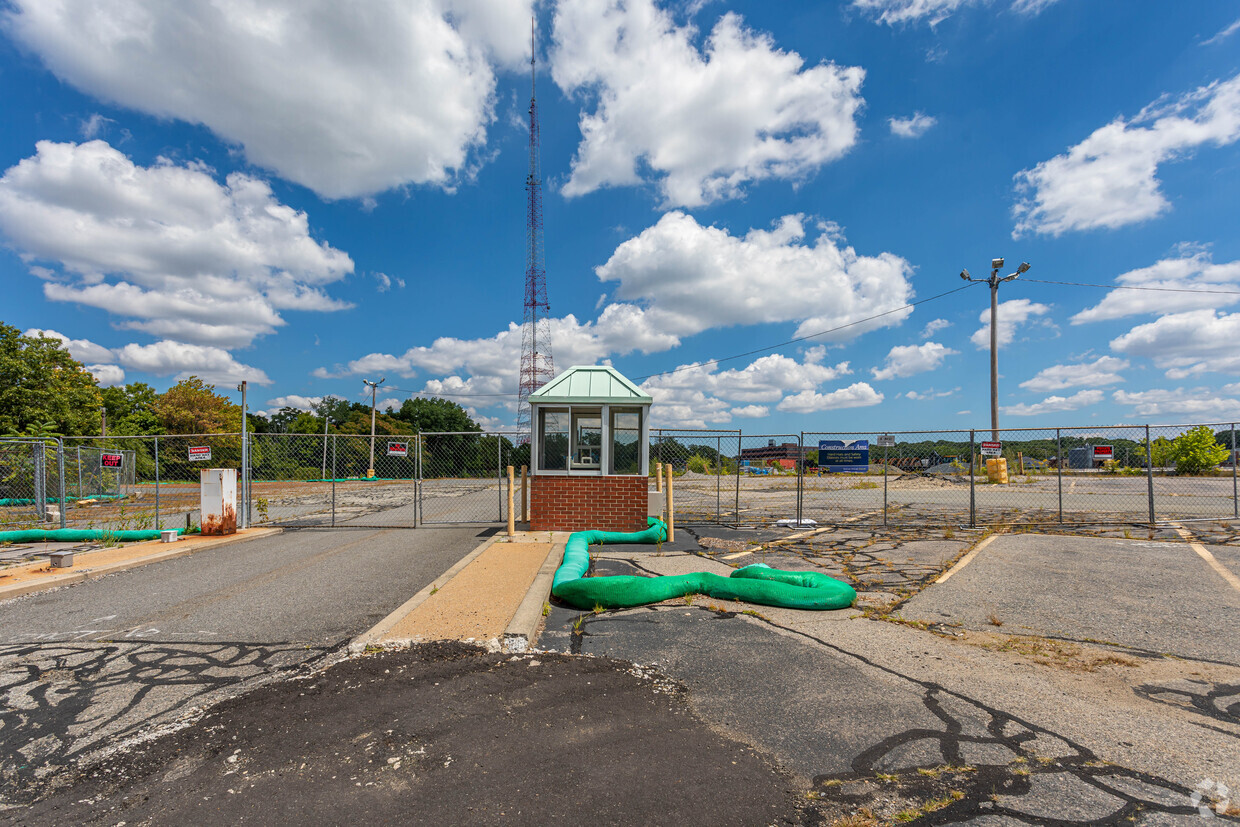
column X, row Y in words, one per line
column 786, row 454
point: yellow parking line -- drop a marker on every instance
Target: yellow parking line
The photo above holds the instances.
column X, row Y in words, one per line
column 1204, row 554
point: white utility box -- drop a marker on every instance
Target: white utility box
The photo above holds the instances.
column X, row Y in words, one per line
column 219, row 500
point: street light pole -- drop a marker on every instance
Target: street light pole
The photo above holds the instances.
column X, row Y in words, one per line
column 994, row 281
column 374, row 386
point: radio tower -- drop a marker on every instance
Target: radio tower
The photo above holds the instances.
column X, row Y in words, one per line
column 537, row 367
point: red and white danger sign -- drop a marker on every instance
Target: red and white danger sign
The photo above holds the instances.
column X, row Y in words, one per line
column 992, row 449
column 1104, row 452
column 398, row 449
column 112, row 460
column 199, row 452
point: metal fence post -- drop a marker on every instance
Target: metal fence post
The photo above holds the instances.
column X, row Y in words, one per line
column 1235, row 501
column 800, row 478
column 1059, row 470
column 718, row 479
column 972, row 496
column 335, row 474
column 60, row 466
column 740, row 441
column 884, row 485
column 40, row 480
column 499, row 474
column 157, row 483
column 417, row 485
column 1149, row 472
column 79, row 469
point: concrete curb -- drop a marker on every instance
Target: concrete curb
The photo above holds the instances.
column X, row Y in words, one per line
column 69, row 578
column 523, row 629
column 358, row 644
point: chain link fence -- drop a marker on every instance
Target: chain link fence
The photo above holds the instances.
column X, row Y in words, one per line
column 464, row 475
column 1113, row 474
column 1095, row 475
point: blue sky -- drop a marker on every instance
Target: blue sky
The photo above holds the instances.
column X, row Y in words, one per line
column 309, row 194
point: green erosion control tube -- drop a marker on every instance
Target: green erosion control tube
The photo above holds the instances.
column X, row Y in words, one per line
column 751, row 584
column 30, row 501
column 77, row 535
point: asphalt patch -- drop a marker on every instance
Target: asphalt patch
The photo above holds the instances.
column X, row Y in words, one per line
column 440, row 733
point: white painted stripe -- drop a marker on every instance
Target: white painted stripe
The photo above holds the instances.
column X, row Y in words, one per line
column 1204, row 554
column 966, row 560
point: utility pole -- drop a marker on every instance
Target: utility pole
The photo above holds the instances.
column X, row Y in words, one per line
column 374, row 386
column 994, row 281
column 245, row 461
column 103, row 421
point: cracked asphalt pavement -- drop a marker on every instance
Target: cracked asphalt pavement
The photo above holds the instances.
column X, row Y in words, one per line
column 1038, row 685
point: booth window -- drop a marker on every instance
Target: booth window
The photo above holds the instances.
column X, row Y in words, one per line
column 587, row 439
column 626, row 432
column 553, row 439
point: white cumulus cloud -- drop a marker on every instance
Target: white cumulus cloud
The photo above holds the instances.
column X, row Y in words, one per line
column 856, row 395
column 934, row 326
column 1012, row 314
column 907, row 360
column 751, row 411
column 1195, row 271
column 345, row 99
column 83, row 350
column 166, row 247
column 107, row 375
column 914, row 127
column 1101, row 371
column 1197, row 403
column 1111, row 178
column 1186, row 344
column 180, row 360
column 691, row 278
column 1055, row 404
column 702, row 124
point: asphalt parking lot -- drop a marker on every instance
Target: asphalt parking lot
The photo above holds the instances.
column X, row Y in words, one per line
column 99, row 662
column 1109, row 693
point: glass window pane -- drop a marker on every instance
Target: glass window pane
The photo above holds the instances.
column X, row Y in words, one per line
column 625, row 442
column 587, row 440
column 553, row 437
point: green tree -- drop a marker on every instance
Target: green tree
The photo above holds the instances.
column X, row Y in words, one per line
column 1196, row 450
column 192, row 406
column 40, row 383
column 131, row 409
column 435, row 414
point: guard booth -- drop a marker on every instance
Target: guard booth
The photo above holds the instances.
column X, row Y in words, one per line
column 589, row 452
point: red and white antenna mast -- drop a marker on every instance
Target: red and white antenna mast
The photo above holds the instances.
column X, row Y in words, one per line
column 537, row 367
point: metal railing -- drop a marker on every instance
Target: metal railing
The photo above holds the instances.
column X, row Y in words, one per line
column 1091, row 475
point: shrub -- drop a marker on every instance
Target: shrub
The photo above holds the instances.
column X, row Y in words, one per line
column 1196, row 451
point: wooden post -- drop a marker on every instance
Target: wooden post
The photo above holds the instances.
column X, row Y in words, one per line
column 671, row 518
column 512, row 528
column 1021, row 459
column 525, row 511
column 658, row 476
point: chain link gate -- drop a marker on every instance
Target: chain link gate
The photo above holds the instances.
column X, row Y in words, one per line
column 464, row 476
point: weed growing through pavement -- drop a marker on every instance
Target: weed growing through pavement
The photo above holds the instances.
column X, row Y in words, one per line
column 434, row 589
column 578, row 624
column 757, row 614
column 688, row 598
column 948, row 533
column 546, row 608
column 598, row 609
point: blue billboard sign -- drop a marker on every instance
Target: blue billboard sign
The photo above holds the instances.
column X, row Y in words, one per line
column 845, row 457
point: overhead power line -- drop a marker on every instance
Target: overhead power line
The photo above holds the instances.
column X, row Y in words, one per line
column 1135, row 287
column 807, row 336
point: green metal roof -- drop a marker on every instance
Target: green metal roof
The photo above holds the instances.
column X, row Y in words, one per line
column 583, row 384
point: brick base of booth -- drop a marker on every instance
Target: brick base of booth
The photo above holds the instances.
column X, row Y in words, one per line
column 579, row 503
